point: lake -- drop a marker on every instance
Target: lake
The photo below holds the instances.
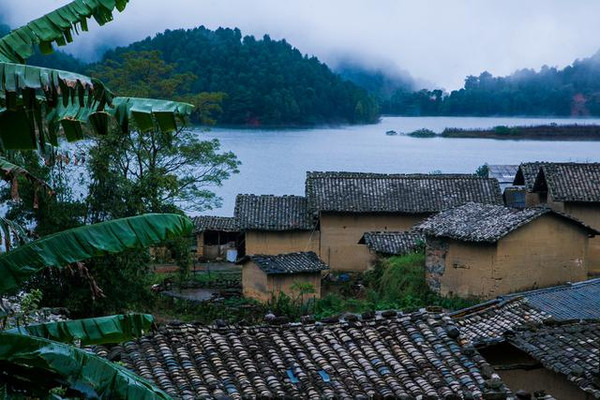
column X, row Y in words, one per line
column 276, row 161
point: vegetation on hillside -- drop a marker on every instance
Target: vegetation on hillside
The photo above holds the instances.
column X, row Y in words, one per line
column 571, row 91
column 266, row 82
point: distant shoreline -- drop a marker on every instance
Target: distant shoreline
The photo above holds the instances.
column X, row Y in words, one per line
column 536, row 132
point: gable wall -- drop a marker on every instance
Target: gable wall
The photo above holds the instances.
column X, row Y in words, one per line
column 340, row 234
column 255, row 283
column 546, row 252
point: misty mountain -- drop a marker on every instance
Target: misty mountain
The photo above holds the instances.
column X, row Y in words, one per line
column 267, row 82
column 379, row 82
column 571, row 91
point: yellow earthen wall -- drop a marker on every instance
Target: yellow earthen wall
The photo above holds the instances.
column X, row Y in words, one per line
column 545, row 252
column 200, row 244
column 262, row 287
column 273, row 243
column 255, row 283
column 283, row 283
column 340, row 234
column 589, row 214
column 468, row 270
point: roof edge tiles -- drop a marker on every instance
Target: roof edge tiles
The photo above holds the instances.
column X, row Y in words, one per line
column 288, row 263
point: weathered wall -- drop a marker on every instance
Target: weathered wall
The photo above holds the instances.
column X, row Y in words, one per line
column 532, row 199
column 545, row 252
column 283, row 283
column 255, row 283
column 199, row 245
column 534, row 377
column 262, row 287
column 272, row 243
column 456, row 268
column 590, row 214
column 340, row 234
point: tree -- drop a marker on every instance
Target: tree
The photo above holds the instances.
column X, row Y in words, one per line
column 36, row 104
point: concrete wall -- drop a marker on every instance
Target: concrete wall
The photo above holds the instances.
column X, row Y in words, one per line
column 545, row 252
column 340, row 234
column 262, row 287
column 273, row 243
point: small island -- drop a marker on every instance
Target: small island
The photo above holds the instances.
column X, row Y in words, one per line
column 537, row 132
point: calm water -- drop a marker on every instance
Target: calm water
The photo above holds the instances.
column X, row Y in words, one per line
column 276, row 161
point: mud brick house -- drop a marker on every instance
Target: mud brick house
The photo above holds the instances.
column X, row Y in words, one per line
column 573, row 189
column 264, row 277
column 399, row 356
column 214, row 236
column 540, row 340
column 386, row 244
column 485, row 250
column 275, row 224
column 349, row 204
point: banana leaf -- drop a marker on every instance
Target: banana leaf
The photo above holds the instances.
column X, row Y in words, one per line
column 12, row 171
column 148, row 113
column 58, row 27
column 102, row 330
column 11, row 231
column 73, row 245
column 33, row 363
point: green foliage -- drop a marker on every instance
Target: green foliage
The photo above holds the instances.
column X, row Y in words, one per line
column 77, row 244
column 34, row 366
column 483, row 171
column 266, row 82
column 422, row 133
column 112, row 329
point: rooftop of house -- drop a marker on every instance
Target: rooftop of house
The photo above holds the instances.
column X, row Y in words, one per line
column 272, row 213
column 575, row 182
column 396, row 193
column 474, row 222
column 290, row 263
column 402, row 356
column 569, row 348
column 580, row 300
column 526, row 174
column 503, row 173
column 211, row 223
column 487, row 323
column 393, row 243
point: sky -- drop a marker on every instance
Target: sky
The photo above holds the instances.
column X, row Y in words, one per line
column 438, row 42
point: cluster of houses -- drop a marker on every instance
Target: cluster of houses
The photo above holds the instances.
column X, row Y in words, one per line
column 479, row 241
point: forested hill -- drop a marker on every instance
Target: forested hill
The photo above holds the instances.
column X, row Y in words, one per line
column 572, row 91
column 266, row 82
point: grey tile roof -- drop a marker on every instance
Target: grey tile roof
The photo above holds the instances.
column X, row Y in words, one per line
column 272, row 213
column 476, row 222
column 211, row 223
column 570, row 181
column 579, row 300
column 290, row 263
column 503, row 173
column 570, row 349
column 409, row 356
column 393, row 243
column 526, row 174
column 396, row 193
column 486, row 323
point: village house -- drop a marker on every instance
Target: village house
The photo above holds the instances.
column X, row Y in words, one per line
column 546, row 339
column 482, row 250
column 349, row 204
column 573, row 188
column 264, row 277
column 525, row 178
column 386, row 244
column 215, row 237
column 275, row 224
